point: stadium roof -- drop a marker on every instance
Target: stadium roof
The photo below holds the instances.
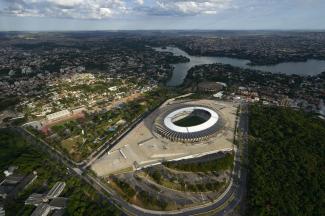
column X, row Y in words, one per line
column 168, row 121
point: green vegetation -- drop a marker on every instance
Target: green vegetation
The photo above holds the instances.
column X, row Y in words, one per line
column 211, row 186
column 189, row 121
column 215, row 165
column 176, row 183
column 286, row 163
column 99, row 127
column 151, row 201
column 155, row 175
column 129, row 193
column 172, row 59
column 14, row 150
column 83, row 199
column 8, row 102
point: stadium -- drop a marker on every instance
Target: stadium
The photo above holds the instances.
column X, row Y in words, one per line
column 188, row 123
column 177, row 130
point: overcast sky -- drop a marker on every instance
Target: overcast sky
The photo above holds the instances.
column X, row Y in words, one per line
column 45, row 15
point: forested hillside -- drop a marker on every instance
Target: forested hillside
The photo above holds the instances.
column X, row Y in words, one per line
column 286, row 163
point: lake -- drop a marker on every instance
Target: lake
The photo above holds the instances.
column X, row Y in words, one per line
column 310, row 67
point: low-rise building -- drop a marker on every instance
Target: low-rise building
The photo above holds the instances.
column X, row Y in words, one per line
column 58, row 115
column 48, row 202
column 2, row 210
column 15, row 183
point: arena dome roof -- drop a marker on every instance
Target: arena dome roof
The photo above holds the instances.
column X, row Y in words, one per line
column 169, row 123
column 188, row 123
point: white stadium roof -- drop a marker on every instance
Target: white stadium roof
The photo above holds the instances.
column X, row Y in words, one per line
column 168, row 121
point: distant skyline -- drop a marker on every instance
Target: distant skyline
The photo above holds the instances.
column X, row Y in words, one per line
column 74, row 15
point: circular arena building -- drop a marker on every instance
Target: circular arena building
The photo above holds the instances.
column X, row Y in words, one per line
column 187, row 123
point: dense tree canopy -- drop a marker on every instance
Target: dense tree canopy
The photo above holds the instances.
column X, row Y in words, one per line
column 218, row 164
column 82, row 198
column 286, row 163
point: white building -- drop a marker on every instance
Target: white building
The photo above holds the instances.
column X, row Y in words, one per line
column 113, row 88
column 58, row 115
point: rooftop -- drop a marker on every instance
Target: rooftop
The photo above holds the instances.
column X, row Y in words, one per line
column 170, row 123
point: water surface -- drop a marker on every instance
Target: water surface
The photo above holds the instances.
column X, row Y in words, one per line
column 310, row 67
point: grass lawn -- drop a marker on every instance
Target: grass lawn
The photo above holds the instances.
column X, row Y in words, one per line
column 71, row 146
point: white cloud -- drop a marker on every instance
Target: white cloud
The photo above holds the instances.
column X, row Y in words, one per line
column 79, row 9
column 100, row 9
column 140, row 2
column 68, row 3
column 105, row 12
column 192, row 7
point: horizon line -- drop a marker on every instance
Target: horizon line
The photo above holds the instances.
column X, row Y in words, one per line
column 117, row 30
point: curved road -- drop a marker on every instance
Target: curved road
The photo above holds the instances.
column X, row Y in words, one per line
column 235, row 190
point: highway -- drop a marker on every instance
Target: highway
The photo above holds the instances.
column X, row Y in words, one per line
column 236, row 188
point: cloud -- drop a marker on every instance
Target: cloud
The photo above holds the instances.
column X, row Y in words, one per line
column 79, row 9
column 101, row 9
column 188, row 7
column 65, row 3
column 140, row 2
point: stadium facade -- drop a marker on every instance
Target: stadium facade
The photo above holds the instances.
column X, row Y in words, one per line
column 167, row 127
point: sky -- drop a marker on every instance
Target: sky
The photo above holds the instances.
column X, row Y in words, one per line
column 73, row 15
